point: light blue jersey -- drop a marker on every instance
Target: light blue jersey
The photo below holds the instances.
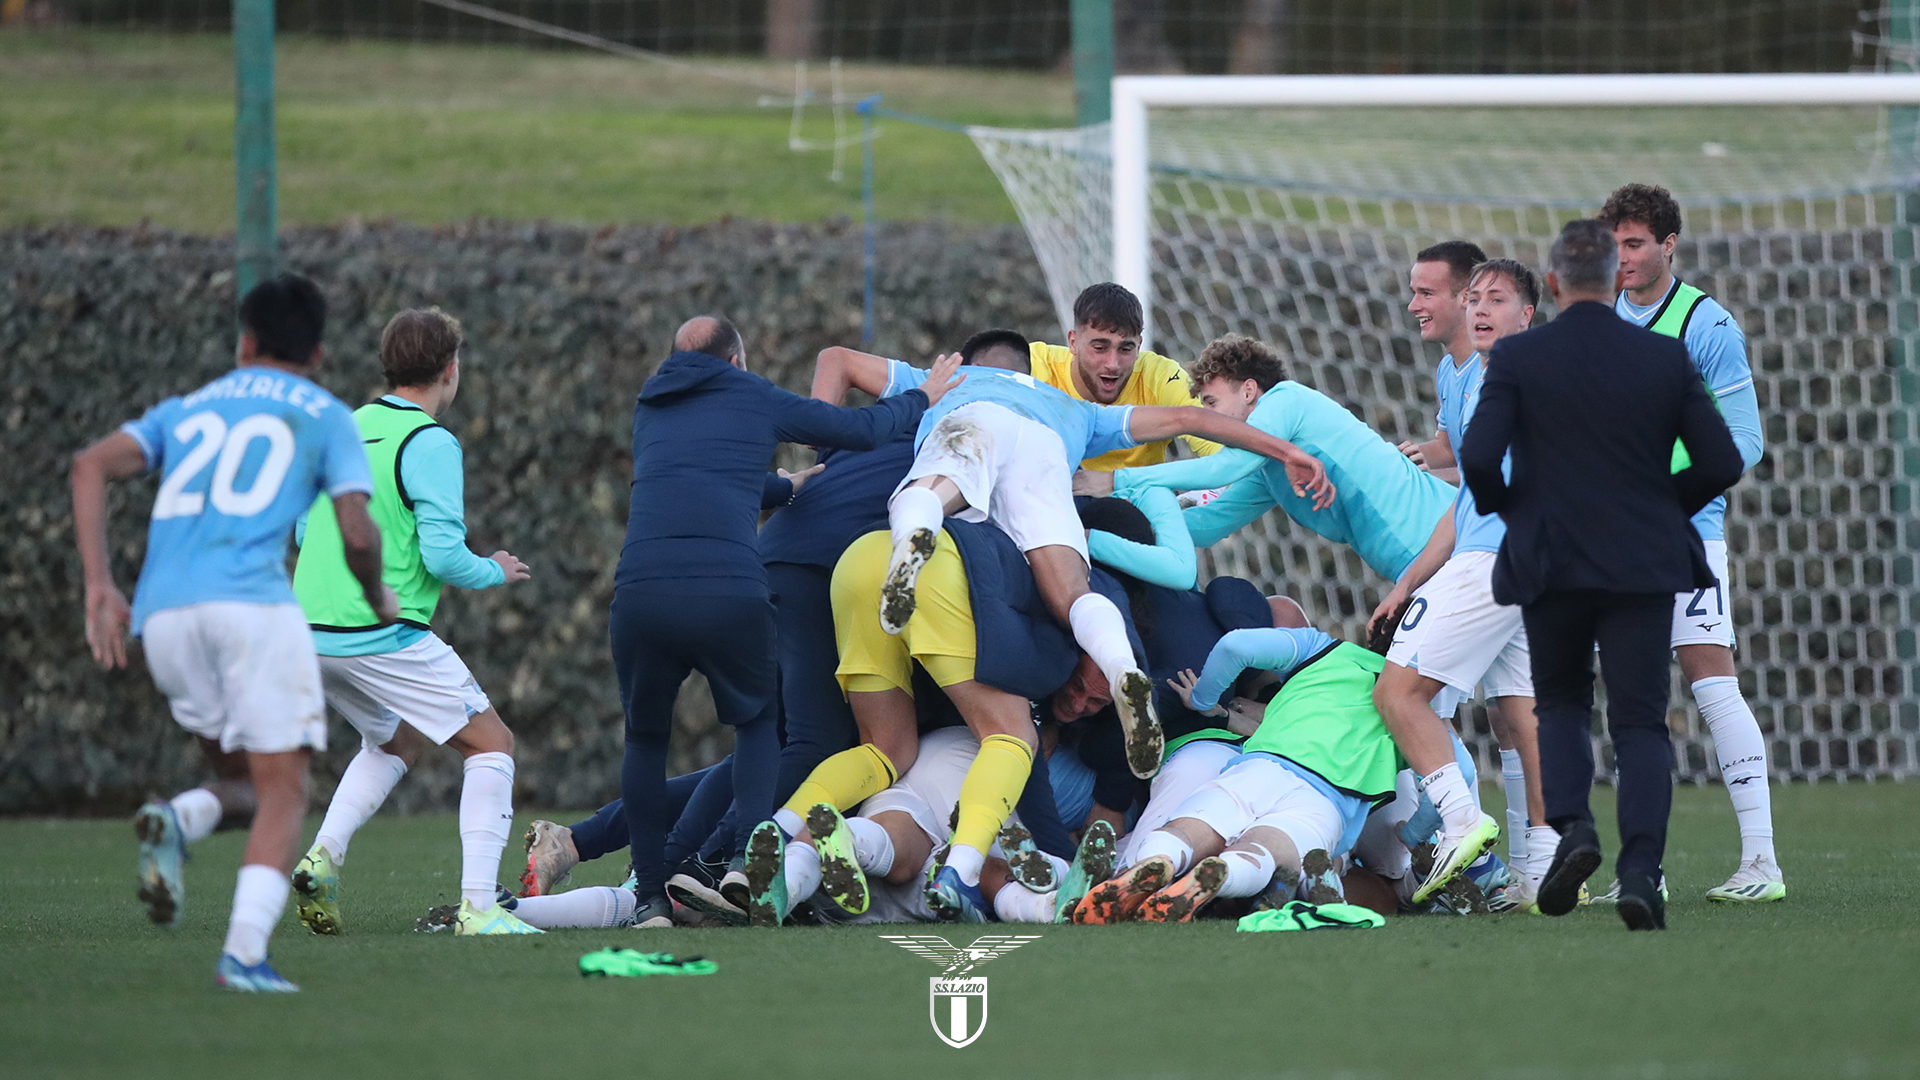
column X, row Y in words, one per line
column 1459, row 396
column 1087, row 430
column 240, row 459
column 1719, row 351
column 1385, row 507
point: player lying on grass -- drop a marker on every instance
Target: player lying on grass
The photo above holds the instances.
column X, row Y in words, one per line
column 896, row 838
column 400, row 686
column 1385, row 508
column 1319, row 763
column 1003, row 451
column 1451, row 633
column 1101, row 362
column 239, row 459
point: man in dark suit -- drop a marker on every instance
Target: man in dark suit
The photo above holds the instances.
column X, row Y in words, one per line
column 1584, row 412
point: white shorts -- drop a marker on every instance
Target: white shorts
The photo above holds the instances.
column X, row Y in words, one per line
column 1454, row 632
column 1185, row 771
column 1012, row 471
column 1700, row 617
column 242, row 674
column 1259, row 792
column 426, row 684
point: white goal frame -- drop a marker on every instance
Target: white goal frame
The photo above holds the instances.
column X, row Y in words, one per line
column 1134, row 95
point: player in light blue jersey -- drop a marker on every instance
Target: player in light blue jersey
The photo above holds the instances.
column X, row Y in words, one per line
column 239, row 459
column 1451, row 635
column 1646, row 226
column 1386, row 508
column 1438, row 281
column 1001, row 447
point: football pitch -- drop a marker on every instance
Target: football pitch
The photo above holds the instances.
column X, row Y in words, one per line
column 1823, row 984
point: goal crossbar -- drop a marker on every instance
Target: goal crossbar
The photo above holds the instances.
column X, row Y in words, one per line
column 1134, row 95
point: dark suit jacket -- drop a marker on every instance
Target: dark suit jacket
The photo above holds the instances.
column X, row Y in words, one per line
column 1591, row 405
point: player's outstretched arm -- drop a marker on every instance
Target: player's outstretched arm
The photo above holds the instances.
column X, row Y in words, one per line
column 1151, row 423
column 115, row 457
column 1431, row 558
column 1277, row 649
column 838, row 369
column 360, row 538
column 816, row 423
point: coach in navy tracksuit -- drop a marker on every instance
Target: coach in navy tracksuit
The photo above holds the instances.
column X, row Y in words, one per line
column 691, row 592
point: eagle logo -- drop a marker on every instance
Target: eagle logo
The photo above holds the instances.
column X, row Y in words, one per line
column 957, row 961
column 957, row 1000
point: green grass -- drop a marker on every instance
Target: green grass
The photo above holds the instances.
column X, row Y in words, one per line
column 112, row 128
column 1821, row 985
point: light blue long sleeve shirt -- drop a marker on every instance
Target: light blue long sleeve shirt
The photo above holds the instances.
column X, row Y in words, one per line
column 1170, row 561
column 1278, row 649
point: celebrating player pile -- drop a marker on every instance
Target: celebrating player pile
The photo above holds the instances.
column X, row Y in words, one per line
column 953, row 683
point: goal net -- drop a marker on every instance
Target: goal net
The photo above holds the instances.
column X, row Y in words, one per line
column 1297, row 225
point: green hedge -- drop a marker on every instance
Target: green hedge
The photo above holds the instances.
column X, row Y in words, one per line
column 563, row 324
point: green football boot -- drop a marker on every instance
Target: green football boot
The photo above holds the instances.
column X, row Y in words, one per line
column 840, row 873
column 1092, row 865
column 316, row 882
column 1455, row 854
column 766, row 871
column 468, row 922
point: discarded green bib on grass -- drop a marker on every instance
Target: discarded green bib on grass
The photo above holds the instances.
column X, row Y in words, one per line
column 633, row 964
column 1300, row 915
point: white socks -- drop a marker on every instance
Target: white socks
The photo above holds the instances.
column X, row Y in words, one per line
column 594, row 908
column 1249, row 870
column 486, row 817
column 1014, row 903
column 1541, row 843
column 1451, row 796
column 198, row 811
column 259, row 898
column 914, row 508
column 872, row 847
column 967, row 862
column 1102, row 635
column 789, row 821
column 802, row 865
column 369, row 779
column 1162, row 842
column 1514, row 781
column 1742, row 751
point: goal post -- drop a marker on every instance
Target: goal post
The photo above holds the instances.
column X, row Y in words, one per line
column 1289, row 208
column 1135, row 95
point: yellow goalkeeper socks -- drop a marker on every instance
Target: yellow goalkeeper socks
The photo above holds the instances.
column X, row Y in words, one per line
column 842, row 781
column 988, row 794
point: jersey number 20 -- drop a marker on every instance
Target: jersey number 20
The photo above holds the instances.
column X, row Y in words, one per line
column 211, row 438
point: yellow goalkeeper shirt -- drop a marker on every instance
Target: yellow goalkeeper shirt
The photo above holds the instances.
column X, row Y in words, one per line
column 1156, row 380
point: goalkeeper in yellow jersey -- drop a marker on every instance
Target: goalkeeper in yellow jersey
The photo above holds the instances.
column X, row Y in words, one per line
column 1101, row 362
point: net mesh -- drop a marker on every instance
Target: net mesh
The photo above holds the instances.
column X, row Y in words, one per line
column 1298, row 227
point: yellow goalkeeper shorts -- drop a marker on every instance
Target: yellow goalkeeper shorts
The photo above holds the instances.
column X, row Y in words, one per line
column 940, row 635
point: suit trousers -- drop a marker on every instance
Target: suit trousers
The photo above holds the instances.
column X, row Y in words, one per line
column 1633, row 631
